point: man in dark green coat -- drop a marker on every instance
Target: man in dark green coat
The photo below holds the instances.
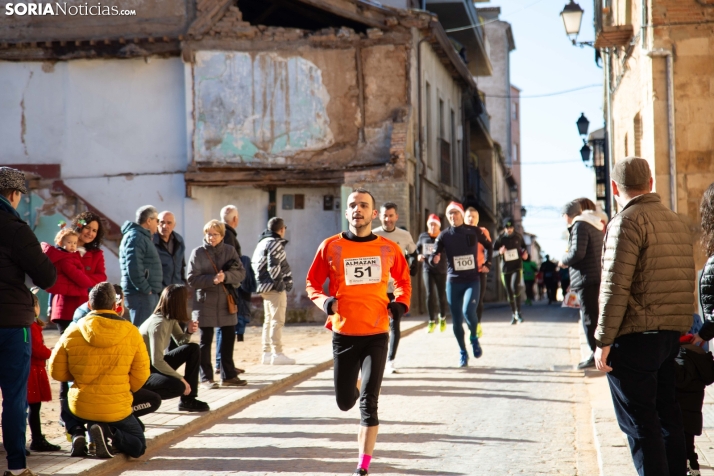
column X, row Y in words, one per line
column 141, row 272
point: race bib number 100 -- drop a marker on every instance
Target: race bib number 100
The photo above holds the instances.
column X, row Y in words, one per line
column 464, row 263
column 363, row 270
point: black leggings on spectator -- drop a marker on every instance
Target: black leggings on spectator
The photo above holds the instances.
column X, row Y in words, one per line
column 64, row 386
column 479, row 309
column 435, row 285
column 228, row 368
column 168, row 386
column 350, row 354
column 34, row 420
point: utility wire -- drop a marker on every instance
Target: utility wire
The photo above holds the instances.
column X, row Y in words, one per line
column 469, row 27
column 556, row 93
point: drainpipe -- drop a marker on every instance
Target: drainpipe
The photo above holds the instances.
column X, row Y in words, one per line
column 419, row 169
column 667, row 54
column 610, row 130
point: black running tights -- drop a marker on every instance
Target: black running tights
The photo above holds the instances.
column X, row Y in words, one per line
column 512, row 283
column 435, row 285
column 352, row 354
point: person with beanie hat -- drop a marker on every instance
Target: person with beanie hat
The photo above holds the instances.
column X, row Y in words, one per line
column 460, row 244
column 434, row 275
column 583, row 259
column 512, row 248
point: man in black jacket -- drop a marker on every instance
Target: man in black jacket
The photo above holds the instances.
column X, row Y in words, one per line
column 583, row 258
column 20, row 255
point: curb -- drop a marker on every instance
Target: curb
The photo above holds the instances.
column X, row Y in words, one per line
column 221, row 413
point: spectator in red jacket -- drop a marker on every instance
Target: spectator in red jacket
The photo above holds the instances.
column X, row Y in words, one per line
column 38, row 384
column 91, row 233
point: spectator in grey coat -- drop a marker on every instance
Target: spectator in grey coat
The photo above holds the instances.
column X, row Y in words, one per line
column 211, row 267
column 583, row 259
column 141, row 272
column 275, row 280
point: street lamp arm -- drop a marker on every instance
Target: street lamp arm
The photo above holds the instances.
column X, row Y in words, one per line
column 582, row 44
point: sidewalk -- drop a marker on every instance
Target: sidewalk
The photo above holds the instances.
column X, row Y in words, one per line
column 168, row 424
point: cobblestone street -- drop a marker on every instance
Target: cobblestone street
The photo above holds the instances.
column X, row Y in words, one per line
column 520, row 409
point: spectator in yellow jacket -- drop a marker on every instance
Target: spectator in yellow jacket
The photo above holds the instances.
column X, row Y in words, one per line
column 105, row 357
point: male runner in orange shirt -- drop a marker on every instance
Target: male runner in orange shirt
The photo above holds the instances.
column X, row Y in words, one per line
column 359, row 264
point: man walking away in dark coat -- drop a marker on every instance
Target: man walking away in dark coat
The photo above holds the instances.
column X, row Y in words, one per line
column 646, row 299
column 583, row 259
column 20, row 255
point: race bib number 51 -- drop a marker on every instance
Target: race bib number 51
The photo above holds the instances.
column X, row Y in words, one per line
column 363, row 270
column 464, row 263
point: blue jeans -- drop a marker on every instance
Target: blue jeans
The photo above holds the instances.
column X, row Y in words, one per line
column 642, row 383
column 240, row 329
column 463, row 301
column 141, row 306
column 15, row 350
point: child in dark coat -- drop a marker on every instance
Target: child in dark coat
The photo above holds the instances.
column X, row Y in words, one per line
column 694, row 370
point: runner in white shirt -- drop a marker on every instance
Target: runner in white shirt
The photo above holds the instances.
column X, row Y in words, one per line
column 389, row 217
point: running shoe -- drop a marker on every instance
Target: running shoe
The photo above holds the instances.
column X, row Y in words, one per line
column 693, row 472
column 442, row 324
column 478, row 352
column 479, row 330
column 98, row 437
column 430, row 327
column 79, row 446
column 514, row 321
column 519, row 318
column 209, row 384
column 464, row 359
column 389, row 368
column 266, row 358
column 360, row 472
column 281, row 359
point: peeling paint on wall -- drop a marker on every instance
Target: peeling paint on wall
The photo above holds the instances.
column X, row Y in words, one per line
column 258, row 108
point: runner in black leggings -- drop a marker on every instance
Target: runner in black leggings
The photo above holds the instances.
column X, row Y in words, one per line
column 512, row 249
column 359, row 265
column 434, row 275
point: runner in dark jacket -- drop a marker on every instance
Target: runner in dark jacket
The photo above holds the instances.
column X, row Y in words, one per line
column 512, row 249
column 434, row 275
column 550, row 278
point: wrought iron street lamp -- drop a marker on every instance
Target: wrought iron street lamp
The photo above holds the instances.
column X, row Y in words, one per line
column 583, row 125
column 572, row 16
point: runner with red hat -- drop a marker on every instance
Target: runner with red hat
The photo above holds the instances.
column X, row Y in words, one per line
column 434, row 275
column 460, row 244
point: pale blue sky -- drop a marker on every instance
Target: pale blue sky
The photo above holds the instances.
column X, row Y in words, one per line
column 545, row 61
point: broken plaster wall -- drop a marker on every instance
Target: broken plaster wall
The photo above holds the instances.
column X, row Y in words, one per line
column 297, row 107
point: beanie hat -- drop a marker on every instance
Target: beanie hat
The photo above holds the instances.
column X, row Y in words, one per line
column 455, row 206
column 433, row 219
column 572, row 209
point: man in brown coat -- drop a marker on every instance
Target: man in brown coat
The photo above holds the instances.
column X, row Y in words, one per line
column 646, row 300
